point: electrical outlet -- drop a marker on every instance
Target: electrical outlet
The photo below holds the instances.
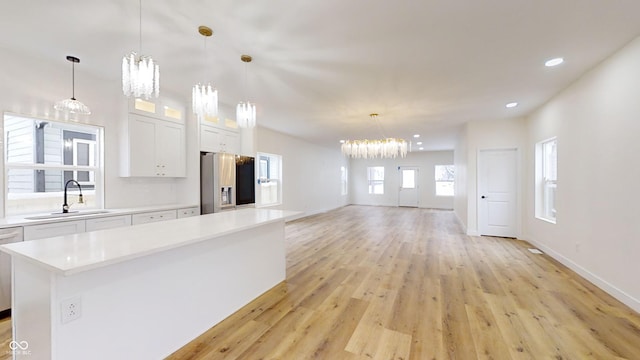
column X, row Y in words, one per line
column 70, row 309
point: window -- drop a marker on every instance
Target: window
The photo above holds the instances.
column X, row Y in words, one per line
column 445, row 175
column 344, row 188
column 546, row 179
column 409, row 179
column 375, row 176
column 269, row 179
column 42, row 155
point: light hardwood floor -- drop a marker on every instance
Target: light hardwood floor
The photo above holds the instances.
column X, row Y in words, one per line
column 401, row 283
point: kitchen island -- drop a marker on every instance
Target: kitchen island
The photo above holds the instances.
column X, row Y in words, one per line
column 144, row 291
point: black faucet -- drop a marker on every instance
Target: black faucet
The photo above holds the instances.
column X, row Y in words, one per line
column 65, row 206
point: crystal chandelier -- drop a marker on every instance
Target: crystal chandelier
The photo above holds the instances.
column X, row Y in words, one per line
column 204, row 97
column 246, row 114
column 246, row 111
column 140, row 74
column 72, row 105
column 369, row 149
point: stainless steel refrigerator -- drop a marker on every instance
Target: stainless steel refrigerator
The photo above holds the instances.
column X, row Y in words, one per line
column 217, row 182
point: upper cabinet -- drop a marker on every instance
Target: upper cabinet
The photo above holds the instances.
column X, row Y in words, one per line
column 155, row 141
column 219, row 137
column 159, row 109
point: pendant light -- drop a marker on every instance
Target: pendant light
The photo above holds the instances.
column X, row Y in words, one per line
column 140, row 74
column 72, row 105
column 384, row 148
column 205, row 97
column 246, row 111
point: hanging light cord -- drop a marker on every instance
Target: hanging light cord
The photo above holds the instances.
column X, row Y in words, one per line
column 140, row 27
column 73, row 80
column 375, row 118
column 206, row 56
column 245, row 82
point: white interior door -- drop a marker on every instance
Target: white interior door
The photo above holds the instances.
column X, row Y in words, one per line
column 408, row 193
column 497, row 197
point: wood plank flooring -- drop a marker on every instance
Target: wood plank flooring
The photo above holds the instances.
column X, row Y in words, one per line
column 401, row 283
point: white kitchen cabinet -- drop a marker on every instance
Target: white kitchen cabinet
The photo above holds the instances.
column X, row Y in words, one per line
column 190, row 211
column 7, row 236
column 213, row 139
column 108, row 222
column 156, row 148
column 32, row 232
column 149, row 217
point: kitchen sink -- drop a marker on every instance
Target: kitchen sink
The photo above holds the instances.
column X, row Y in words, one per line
column 66, row 215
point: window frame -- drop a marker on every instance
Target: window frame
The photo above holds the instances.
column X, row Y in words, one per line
column 96, row 171
column 437, row 181
column 344, row 180
column 373, row 184
column 273, row 163
column 546, row 184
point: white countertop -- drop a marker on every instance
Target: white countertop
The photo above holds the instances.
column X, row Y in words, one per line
column 21, row 220
column 76, row 253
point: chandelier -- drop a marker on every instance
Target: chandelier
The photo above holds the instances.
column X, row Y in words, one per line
column 140, row 74
column 72, row 105
column 369, row 149
column 246, row 111
column 204, row 97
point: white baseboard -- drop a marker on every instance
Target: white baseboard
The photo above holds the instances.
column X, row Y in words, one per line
column 609, row 288
column 473, row 232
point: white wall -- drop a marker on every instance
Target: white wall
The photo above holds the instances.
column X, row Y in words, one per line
column 460, row 161
column 310, row 173
column 488, row 135
column 425, row 161
column 597, row 123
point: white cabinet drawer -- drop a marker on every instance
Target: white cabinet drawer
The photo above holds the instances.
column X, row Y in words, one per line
column 108, row 222
column 32, row 232
column 186, row 212
column 153, row 217
column 12, row 234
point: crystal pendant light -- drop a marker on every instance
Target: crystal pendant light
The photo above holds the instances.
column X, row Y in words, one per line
column 72, row 105
column 369, row 149
column 205, row 97
column 140, row 74
column 246, row 111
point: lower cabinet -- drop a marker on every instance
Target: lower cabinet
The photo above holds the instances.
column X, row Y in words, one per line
column 32, row 232
column 186, row 212
column 108, row 222
column 150, row 217
column 68, row 227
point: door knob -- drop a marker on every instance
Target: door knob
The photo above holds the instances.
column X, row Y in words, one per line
column 483, row 197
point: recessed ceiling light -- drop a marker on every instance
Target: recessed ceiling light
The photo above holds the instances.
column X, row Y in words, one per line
column 512, row 104
column 416, row 135
column 341, row 141
column 554, row 62
column 421, row 148
column 419, row 143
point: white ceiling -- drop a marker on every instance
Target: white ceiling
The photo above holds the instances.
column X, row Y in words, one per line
column 320, row 67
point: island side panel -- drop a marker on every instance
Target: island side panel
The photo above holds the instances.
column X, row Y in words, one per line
column 31, row 310
column 149, row 307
